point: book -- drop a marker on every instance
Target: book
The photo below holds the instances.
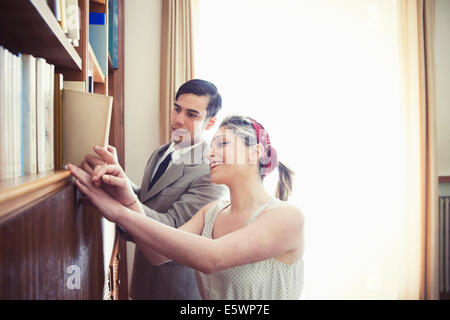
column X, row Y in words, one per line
column 86, row 123
column 16, row 115
column 98, row 38
column 29, row 113
column 50, row 137
column 4, row 114
column 75, row 85
column 113, row 35
column 59, row 85
column 73, row 21
column 42, row 108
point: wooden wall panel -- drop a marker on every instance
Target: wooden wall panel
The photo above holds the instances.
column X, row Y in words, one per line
column 44, row 245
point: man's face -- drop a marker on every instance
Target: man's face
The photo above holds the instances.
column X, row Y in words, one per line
column 187, row 119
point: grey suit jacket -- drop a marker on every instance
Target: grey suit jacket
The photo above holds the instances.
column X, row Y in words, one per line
column 180, row 192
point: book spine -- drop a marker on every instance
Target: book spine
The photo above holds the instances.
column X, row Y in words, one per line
column 50, row 123
column 59, row 83
column 3, row 114
column 15, row 117
column 73, row 20
column 18, row 154
column 41, row 101
column 29, row 113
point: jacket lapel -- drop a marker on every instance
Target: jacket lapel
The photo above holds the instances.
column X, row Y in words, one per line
column 149, row 170
column 173, row 173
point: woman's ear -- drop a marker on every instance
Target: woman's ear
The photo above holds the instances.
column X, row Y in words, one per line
column 256, row 152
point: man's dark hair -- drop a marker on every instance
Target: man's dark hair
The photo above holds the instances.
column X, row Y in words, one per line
column 203, row 88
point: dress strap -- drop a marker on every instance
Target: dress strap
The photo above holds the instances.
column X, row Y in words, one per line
column 210, row 216
column 260, row 209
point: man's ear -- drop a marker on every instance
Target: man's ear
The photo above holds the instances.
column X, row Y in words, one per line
column 210, row 123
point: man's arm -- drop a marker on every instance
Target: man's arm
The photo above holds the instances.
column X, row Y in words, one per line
column 201, row 192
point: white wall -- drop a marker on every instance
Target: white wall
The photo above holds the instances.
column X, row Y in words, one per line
column 142, row 69
column 442, row 67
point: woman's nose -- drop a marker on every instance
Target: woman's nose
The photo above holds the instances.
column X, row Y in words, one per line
column 210, row 153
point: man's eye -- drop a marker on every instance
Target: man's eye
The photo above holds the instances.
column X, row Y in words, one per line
column 192, row 115
column 222, row 143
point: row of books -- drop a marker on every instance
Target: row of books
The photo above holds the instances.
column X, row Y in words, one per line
column 67, row 13
column 103, row 29
column 26, row 114
column 45, row 122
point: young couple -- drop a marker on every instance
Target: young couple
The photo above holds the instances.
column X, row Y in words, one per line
column 248, row 247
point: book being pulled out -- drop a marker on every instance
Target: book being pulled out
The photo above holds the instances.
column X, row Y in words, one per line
column 86, row 123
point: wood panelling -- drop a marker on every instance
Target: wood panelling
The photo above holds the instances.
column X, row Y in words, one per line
column 45, row 244
column 117, row 133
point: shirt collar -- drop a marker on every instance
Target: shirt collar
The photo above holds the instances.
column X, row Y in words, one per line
column 177, row 154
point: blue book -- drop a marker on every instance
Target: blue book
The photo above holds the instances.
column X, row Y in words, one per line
column 113, row 37
column 98, row 38
column 97, row 18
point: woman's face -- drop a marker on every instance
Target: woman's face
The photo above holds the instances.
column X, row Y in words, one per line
column 230, row 158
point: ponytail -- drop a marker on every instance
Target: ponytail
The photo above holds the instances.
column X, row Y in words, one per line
column 284, row 186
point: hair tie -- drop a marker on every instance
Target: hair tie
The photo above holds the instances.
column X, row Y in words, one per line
column 269, row 160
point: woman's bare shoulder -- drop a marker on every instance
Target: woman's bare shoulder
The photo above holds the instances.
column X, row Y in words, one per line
column 284, row 210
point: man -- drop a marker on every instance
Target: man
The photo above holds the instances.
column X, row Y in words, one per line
column 176, row 184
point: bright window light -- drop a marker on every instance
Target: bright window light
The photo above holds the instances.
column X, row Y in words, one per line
column 322, row 77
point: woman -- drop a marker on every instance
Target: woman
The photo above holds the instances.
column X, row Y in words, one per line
column 250, row 247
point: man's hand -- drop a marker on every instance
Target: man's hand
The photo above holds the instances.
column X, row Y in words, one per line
column 106, row 156
column 112, row 178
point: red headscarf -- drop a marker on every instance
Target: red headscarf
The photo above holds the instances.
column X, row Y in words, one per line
column 269, row 160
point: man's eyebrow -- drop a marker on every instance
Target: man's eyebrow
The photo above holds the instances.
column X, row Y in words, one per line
column 190, row 110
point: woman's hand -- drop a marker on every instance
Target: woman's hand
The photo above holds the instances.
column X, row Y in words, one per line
column 109, row 207
column 115, row 183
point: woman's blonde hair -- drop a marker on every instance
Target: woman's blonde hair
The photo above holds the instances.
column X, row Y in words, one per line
column 243, row 128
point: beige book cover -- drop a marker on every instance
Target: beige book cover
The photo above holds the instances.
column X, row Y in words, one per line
column 75, row 85
column 86, row 122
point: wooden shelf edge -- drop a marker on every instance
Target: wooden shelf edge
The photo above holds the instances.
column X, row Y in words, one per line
column 444, row 179
column 17, row 193
column 97, row 71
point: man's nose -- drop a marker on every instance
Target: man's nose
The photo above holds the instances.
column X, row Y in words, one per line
column 179, row 118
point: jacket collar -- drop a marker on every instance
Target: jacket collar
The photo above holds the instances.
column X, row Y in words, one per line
column 195, row 156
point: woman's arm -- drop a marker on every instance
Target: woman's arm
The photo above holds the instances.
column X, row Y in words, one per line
column 274, row 233
column 194, row 225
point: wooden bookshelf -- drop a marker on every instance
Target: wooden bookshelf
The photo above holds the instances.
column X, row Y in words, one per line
column 445, row 179
column 45, row 223
column 36, row 31
column 17, row 193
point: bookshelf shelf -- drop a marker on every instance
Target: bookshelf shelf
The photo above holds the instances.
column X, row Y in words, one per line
column 36, row 31
column 16, row 193
column 444, row 179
